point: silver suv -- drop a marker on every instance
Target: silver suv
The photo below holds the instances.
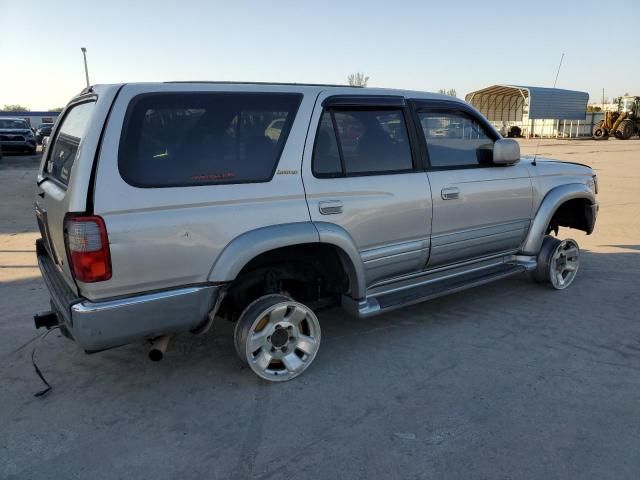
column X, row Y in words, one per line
column 164, row 207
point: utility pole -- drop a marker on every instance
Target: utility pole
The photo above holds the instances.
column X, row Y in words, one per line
column 86, row 70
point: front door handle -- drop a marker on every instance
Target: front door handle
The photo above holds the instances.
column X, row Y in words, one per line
column 330, row 207
column 450, row 193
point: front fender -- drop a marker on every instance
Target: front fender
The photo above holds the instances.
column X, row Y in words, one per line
column 550, row 203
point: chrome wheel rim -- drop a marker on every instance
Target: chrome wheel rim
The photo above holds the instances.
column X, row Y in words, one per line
column 564, row 264
column 282, row 341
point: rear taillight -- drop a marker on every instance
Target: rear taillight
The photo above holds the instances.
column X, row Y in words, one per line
column 88, row 248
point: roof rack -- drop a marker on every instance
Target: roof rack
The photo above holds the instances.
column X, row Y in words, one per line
column 266, row 83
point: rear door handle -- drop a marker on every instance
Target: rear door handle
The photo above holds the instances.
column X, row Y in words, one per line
column 330, row 207
column 450, row 193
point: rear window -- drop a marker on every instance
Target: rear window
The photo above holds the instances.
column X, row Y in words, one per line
column 64, row 149
column 183, row 139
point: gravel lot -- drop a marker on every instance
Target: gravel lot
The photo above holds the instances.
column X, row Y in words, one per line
column 510, row 380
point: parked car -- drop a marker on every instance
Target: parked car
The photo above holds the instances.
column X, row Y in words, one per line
column 44, row 130
column 166, row 207
column 16, row 135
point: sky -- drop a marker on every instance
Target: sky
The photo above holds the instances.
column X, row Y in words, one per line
column 420, row 45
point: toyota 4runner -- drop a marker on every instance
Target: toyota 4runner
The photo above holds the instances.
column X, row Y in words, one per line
column 165, row 206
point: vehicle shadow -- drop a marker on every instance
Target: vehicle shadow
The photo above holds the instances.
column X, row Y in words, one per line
column 628, row 247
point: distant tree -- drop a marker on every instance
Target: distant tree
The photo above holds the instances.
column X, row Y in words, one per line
column 15, row 108
column 358, row 79
column 451, row 92
column 57, row 109
column 592, row 108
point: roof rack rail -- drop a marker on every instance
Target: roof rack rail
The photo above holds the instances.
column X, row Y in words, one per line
column 265, row 83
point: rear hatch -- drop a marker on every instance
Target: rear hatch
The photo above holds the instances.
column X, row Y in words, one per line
column 64, row 179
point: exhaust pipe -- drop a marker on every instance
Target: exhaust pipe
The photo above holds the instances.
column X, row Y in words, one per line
column 158, row 347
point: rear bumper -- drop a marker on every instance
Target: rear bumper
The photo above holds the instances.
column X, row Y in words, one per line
column 110, row 323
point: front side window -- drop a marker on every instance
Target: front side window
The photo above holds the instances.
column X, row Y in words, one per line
column 64, row 149
column 204, row 138
column 361, row 141
column 454, row 139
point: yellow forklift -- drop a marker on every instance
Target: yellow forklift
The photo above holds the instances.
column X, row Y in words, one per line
column 624, row 123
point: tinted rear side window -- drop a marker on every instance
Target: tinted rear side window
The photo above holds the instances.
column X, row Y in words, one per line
column 361, row 142
column 326, row 156
column 373, row 141
column 204, row 138
column 64, row 149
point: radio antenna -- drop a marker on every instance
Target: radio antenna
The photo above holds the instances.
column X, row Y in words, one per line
column 553, row 90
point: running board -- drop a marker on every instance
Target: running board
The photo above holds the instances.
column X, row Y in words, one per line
column 426, row 290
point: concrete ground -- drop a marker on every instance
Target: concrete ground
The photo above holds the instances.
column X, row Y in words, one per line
column 510, row 380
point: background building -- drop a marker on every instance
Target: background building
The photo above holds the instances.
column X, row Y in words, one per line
column 535, row 111
column 34, row 118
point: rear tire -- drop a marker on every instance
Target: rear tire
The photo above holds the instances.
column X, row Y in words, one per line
column 626, row 129
column 558, row 262
column 277, row 337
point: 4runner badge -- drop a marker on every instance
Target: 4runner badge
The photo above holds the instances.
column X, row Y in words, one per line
column 287, row 172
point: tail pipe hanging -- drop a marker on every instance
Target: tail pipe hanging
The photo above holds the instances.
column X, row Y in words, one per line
column 158, row 347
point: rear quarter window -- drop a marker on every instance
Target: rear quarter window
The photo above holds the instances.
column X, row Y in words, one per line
column 183, row 139
column 64, row 148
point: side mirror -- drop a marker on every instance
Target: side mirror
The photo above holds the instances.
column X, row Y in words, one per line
column 506, row 151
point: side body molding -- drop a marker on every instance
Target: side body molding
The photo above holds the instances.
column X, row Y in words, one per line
column 550, row 203
column 247, row 246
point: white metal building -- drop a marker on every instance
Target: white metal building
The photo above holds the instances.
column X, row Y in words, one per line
column 537, row 111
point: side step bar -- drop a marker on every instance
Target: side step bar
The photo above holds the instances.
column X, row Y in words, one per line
column 429, row 289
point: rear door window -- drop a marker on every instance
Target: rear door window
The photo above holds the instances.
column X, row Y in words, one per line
column 352, row 142
column 64, row 149
column 183, row 139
